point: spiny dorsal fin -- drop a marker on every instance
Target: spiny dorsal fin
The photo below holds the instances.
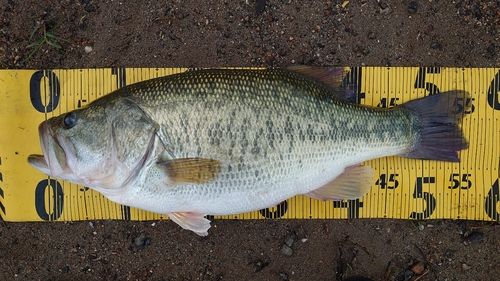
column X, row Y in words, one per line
column 332, row 77
column 191, row 170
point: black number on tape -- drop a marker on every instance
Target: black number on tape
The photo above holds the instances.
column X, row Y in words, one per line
column 460, row 103
column 490, row 205
column 457, row 180
column 56, row 200
column 383, row 102
column 420, row 81
column 352, row 206
column 38, row 96
column 278, row 213
column 389, row 182
column 430, row 200
column 493, row 98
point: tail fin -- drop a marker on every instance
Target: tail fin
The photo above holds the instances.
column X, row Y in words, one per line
column 439, row 116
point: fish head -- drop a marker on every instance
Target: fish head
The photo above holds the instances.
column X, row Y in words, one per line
column 101, row 146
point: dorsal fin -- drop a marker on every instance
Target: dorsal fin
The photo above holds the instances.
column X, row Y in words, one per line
column 332, row 77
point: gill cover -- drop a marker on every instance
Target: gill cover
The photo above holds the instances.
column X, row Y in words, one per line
column 103, row 145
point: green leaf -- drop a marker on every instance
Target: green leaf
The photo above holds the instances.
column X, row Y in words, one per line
column 51, row 35
column 32, row 53
column 54, row 44
column 57, row 37
column 37, row 42
column 37, row 27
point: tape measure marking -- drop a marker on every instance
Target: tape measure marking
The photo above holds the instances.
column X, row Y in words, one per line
column 402, row 188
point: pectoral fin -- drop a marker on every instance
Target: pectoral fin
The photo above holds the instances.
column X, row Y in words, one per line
column 352, row 184
column 191, row 221
column 191, row 170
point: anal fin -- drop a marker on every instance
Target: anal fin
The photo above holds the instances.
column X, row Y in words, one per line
column 352, row 184
column 191, row 221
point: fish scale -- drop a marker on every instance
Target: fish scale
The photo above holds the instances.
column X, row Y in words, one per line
column 230, row 141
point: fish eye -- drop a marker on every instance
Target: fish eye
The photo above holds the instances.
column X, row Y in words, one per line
column 69, row 120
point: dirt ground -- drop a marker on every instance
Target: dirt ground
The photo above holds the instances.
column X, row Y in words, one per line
column 188, row 33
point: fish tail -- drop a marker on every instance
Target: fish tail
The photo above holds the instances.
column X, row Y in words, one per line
column 439, row 116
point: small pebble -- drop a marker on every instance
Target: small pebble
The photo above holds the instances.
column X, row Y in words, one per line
column 283, row 276
column 141, row 241
column 436, row 45
column 64, row 269
column 474, row 237
column 287, row 251
column 385, row 11
column 449, row 254
column 301, row 233
column 89, row 8
column 412, row 8
column 259, row 264
column 88, row 49
column 418, row 268
column 404, row 275
column 260, row 7
column 491, row 48
column 290, row 239
column 462, row 224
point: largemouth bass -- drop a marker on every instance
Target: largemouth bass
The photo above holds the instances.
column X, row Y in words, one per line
column 224, row 141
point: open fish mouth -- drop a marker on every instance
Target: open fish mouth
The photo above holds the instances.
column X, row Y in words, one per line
column 56, row 153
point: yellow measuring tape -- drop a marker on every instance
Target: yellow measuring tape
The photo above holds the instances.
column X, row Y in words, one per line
column 402, row 188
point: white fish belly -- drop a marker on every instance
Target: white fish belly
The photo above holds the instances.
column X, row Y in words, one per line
column 255, row 187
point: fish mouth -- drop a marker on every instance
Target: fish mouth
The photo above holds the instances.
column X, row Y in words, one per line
column 56, row 158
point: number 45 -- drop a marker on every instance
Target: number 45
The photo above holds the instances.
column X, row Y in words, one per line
column 388, row 181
